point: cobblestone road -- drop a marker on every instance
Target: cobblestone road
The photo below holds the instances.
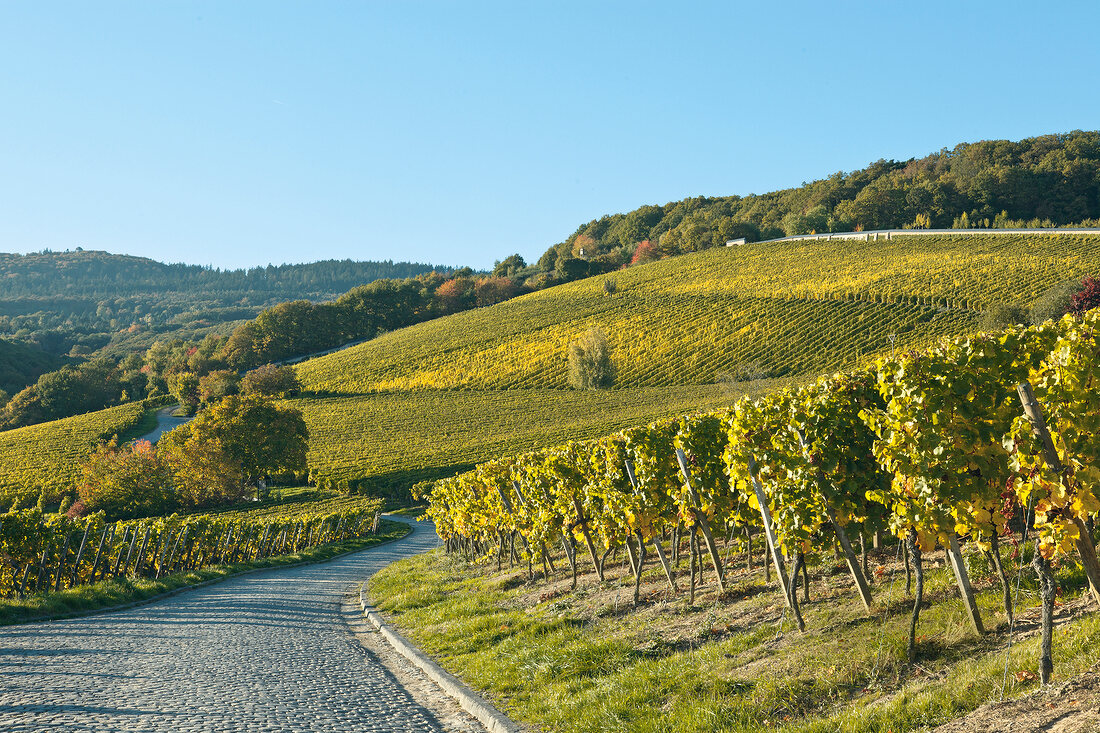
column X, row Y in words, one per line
column 265, row 652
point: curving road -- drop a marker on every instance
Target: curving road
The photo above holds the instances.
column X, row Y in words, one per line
column 264, row 652
column 166, row 421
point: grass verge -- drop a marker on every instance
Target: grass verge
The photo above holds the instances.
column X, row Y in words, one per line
column 118, row 591
column 585, row 660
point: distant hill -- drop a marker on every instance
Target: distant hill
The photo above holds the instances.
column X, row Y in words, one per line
column 91, row 299
column 21, row 365
column 96, row 274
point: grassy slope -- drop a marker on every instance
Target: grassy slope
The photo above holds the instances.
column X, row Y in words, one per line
column 47, row 456
column 441, row 395
column 585, row 661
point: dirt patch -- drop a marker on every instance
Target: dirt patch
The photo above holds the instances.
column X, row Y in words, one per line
column 1072, row 707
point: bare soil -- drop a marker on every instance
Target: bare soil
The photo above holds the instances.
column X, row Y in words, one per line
column 1072, row 707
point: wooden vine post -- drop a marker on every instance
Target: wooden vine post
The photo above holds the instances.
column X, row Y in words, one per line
column 80, row 553
column 769, row 534
column 656, row 540
column 130, row 551
column 842, row 536
column 701, row 520
column 121, row 551
column 1050, row 454
column 61, row 564
column 958, row 564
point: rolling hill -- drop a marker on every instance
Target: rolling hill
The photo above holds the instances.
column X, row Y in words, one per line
column 21, row 365
column 686, row 333
column 46, row 458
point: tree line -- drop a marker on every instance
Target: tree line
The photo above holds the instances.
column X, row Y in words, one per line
column 1051, row 180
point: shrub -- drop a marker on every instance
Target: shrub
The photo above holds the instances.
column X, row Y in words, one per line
column 1054, row 302
column 1001, row 315
column 131, row 481
column 271, row 381
column 1088, row 298
column 590, row 364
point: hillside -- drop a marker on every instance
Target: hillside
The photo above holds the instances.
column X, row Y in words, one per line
column 1046, row 181
column 685, row 333
column 91, row 300
column 21, row 365
column 47, row 457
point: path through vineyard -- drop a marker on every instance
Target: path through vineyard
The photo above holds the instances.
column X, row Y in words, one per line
column 269, row 651
column 166, row 421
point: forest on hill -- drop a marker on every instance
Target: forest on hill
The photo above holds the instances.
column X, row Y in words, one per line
column 1046, row 181
column 85, row 302
column 1051, row 180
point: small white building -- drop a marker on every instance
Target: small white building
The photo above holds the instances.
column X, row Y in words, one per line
column 735, row 242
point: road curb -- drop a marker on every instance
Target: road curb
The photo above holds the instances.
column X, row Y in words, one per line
column 185, row 588
column 471, row 702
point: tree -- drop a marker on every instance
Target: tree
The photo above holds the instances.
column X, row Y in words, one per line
column 491, row 290
column 645, row 252
column 271, row 381
column 457, row 294
column 218, row 384
column 185, row 388
column 131, row 481
column 509, row 267
column 571, row 268
column 1088, row 298
column 253, row 435
column 590, row 364
column 203, row 474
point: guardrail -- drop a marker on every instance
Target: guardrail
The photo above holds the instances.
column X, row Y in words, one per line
column 875, row 235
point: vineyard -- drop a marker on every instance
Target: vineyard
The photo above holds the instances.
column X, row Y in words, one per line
column 791, row 308
column 692, row 332
column 984, row 440
column 40, row 553
column 396, row 440
column 46, row 458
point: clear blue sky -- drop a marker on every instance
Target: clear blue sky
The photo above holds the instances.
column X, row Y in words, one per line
column 241, row 133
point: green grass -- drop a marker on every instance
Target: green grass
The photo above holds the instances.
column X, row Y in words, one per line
column 116, row 591
column 584, row 661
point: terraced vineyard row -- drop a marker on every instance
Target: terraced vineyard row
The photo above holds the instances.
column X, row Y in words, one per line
column 932, row 446
column 43, row 552
column 47, row 457
column 756, row 303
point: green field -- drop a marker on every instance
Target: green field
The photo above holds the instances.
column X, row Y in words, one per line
column 433, row 398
